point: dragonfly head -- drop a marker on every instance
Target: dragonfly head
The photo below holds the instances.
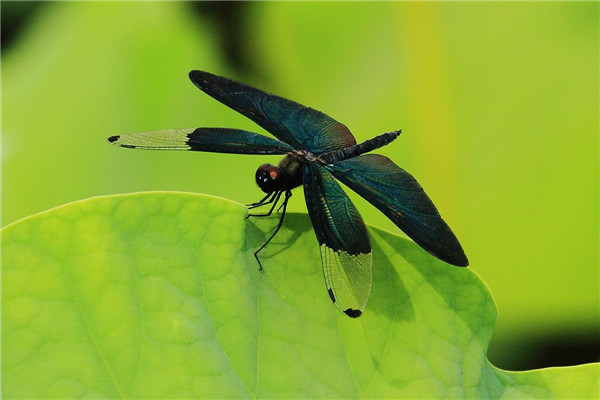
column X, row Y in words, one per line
column 269, row 178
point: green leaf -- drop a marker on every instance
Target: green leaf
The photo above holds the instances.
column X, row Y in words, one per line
column 158, row 295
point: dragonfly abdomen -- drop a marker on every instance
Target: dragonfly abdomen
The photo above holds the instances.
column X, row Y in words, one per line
column 358, row 149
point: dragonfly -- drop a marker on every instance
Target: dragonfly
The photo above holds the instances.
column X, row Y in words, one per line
column 318, row 151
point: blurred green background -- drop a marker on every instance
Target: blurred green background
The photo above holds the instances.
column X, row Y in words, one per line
column 498, row 103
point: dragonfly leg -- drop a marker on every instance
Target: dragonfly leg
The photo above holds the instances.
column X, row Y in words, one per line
column 275, row 200
column 261, row 202
column 288, row 194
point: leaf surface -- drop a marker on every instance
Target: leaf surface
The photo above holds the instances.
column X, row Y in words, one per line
column 158, row 295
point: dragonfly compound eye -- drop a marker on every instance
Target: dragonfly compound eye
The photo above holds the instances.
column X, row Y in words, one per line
column 268, row 178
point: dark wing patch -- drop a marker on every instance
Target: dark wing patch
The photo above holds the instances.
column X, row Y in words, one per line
column 331, row 296
column 219, row 140
column 343, row 239
column 400, row 197
column 302, row 127
column 353, row 313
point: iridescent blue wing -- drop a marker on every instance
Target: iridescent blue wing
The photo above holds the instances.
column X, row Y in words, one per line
column 343, row 239
column 302, row 127
column 400, row 197
column 218, row 140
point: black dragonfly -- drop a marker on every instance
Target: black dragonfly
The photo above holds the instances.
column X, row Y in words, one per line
column 318, row 150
